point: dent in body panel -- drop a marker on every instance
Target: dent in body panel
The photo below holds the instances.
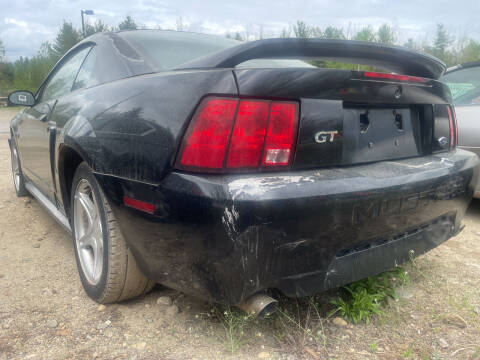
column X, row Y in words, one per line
column 140, row 136
column 286, row 238
column 369, row 204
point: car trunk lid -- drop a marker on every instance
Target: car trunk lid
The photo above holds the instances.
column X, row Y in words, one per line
column 347, row 118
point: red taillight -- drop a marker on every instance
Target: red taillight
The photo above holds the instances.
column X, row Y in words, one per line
column 452, row 120
column 280, row 136
column 207, row 139
column 386, row 76
column 248, row 134
column 254, row 134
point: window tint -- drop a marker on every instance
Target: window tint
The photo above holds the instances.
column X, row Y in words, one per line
column 62, row 80
column 464, row 85
column 86, row 76
column 167, row 49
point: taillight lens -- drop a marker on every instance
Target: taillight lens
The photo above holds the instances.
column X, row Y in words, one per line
column 452, row 120
column 207, row 140
column 281, row 133
column 248, row 134
column 229, row 133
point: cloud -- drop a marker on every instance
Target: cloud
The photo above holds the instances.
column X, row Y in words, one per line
column 19, row 23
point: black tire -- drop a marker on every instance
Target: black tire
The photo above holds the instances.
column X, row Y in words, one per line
column 18, row 178
column 120, row 278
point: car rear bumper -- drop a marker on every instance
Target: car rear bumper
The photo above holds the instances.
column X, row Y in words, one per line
column 224, row 238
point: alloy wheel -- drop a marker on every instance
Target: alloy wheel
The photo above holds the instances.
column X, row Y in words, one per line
column 88, row 232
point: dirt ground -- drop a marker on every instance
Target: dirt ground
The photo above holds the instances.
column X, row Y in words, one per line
column 44, row 313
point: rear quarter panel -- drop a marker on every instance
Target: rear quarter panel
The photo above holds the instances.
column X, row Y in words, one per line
column 130, row 128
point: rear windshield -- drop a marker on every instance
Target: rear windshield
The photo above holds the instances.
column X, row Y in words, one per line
column 167, row 49
column 464, row 85
column 275, row 63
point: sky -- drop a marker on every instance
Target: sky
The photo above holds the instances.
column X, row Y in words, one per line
column 24, row 25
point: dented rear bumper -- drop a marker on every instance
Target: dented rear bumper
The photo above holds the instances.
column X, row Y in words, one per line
column 224, row 238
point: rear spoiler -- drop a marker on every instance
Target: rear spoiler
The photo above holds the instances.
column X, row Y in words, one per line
column 392, row 58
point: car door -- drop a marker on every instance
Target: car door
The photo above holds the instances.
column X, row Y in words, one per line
column 37, row 130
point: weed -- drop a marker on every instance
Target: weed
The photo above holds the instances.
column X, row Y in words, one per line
column 408, row 353
column 306, row 321
column 366, row 297
column 374, row 346
column 234, row 321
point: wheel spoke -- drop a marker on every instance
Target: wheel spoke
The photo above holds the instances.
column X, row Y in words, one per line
column 87, row 239
column 97, row 256
column 88, row 207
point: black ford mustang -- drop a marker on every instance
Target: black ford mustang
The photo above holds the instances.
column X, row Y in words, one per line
column 222, row 169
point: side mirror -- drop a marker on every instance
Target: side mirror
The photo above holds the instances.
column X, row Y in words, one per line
column 22, row 97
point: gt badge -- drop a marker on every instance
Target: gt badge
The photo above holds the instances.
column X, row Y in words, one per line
column 324, row 136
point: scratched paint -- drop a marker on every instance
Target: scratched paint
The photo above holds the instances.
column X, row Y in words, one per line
column 254, row 187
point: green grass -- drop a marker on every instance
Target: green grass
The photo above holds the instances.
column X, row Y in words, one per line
column 366, row 298
column 300, row 319
column 408, row 353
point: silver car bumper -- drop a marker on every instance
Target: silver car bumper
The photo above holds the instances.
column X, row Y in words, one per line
column 475, row 150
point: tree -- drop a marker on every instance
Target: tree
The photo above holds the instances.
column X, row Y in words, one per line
column 365, row 34
column 332, row 32
column 471, row 52
column 260, row 32
column 127, row 24
column 67, row 37
column 238, row 37
column 2, row 52
column 386, row 35
column 99, row 26
column 180, row 26
column 441, row 42
column 409, row 44
column 302, row 30
column 286, row 32
column 6, row 72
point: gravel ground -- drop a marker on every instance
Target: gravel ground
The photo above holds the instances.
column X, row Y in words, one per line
column 44, row 313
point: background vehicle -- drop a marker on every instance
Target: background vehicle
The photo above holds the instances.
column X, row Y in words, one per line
column 173, row 158
column 464, row 83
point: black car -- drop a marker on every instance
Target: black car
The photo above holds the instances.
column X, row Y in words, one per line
column 222, row 169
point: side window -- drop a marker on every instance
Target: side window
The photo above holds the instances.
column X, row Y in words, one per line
column 464, row 85
column 87, row 76
column 62, row 80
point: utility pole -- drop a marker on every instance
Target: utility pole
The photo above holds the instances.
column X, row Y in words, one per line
column 86, row 12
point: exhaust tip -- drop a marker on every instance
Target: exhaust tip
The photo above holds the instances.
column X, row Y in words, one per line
column 259, row 306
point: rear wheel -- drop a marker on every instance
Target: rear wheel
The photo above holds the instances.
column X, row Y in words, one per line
column 107, row 268
column 18, row 179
